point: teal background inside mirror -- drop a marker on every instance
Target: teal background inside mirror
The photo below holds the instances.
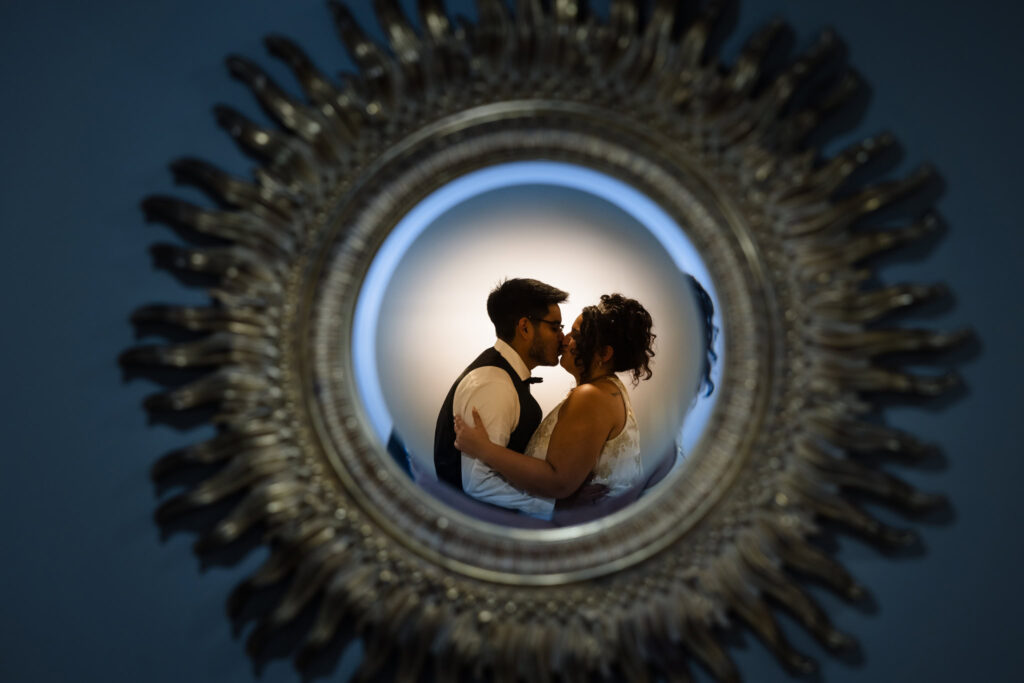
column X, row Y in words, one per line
column 99, row 98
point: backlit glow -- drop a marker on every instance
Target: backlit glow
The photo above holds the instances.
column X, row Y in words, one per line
column 421, row 315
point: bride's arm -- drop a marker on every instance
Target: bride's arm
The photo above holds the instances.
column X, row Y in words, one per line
column 584, row 422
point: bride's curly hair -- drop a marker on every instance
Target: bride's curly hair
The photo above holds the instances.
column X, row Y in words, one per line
column 623, row 324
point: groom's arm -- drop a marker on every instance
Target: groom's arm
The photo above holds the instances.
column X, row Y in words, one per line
column 491, row 391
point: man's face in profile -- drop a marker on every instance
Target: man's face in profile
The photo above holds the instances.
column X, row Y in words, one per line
column 547, row 337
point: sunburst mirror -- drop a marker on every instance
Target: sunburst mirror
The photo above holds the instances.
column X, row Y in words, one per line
column 599, row 152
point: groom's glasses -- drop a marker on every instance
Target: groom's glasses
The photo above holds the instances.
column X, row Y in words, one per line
column 558, row 327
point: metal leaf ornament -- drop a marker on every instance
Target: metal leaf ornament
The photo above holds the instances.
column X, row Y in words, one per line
column 788, row 235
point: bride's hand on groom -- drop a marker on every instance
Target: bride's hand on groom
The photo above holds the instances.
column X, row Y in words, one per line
column 588, row 493
column 470, row 438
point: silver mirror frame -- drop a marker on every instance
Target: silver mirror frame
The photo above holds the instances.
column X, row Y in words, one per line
column 788, row 237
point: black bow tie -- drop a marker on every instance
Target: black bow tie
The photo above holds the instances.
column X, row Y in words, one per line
column 534, row 380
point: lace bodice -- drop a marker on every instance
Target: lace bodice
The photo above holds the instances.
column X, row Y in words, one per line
column 619, row 466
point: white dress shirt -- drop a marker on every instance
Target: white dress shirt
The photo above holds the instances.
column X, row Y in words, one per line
column 490, row 390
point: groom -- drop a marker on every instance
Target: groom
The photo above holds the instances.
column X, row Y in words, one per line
column 528, row 324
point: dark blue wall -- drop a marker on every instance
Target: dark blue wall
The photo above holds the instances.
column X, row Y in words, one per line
column 99, row 97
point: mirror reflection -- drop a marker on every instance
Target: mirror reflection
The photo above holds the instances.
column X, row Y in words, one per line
column 563, row 318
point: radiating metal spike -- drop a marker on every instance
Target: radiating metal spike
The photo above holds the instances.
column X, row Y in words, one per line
column 342, row 111
column 294, row 116
column 222, row 385
column 705, row 647
column 291, row 163
column 842, row 215
column 198, row 319
column 268, row 501
column 222, row 447
column 403, row 39
column 864, row 307
column 804, row 558
column 217, row 349
column 746, row 72
column 434, row 19
column 694, row 40
column 858, row 436
column 759, row 619
column 851, row 475
column 237, row 475
column 379, row 71
column 838, row 510
column 769, row 579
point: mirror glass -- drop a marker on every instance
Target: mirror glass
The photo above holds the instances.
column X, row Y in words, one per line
column 421, row 315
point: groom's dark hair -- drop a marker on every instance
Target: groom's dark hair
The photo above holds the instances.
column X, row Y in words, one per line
column 520, row 298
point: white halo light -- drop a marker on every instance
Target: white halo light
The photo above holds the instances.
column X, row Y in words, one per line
column 367, row 322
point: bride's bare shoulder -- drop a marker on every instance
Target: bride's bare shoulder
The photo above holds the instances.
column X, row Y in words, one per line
column 593, row 394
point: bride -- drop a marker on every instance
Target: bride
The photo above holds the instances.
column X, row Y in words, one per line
column 591, row 437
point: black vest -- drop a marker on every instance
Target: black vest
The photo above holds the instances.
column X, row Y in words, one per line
column 447, row 458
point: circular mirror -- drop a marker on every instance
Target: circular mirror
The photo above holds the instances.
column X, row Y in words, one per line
column 421, row 312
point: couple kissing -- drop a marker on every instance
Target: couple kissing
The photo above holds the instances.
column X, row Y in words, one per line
column 490, row 441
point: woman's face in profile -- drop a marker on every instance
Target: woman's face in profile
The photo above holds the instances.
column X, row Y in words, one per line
column 568, row 359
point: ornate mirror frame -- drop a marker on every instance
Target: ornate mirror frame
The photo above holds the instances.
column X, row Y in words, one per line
column 725, row 150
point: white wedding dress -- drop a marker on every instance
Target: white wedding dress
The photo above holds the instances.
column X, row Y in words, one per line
column 619, row 466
